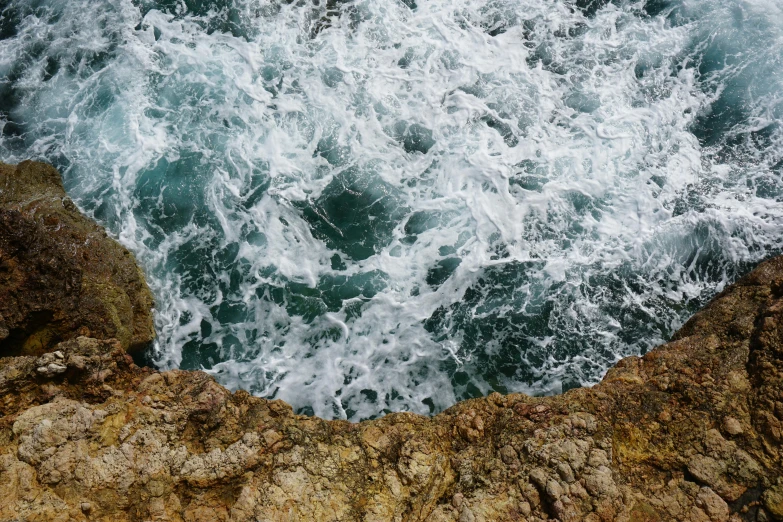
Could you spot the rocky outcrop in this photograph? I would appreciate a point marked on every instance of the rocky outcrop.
(691, 431)
(60, 275)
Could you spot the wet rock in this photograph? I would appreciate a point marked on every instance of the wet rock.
(62, 276)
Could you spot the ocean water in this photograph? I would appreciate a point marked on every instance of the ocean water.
(369, 206)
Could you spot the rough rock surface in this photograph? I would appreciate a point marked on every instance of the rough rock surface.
(60, 275)
(691, 431)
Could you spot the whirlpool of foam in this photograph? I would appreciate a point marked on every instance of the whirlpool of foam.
(379, 205)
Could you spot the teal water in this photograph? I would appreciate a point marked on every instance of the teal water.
(365, 206)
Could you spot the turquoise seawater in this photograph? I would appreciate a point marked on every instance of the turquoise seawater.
(368, 206)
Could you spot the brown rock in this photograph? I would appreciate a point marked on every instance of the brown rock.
(773, 500)
(59, 272)
(715, 507)
(732, 426)
(707, 469)
(470, 425)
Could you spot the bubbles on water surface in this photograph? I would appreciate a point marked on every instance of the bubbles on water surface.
(369, 206)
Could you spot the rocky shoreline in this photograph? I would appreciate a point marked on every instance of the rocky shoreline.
(60, 275)
(691, 431)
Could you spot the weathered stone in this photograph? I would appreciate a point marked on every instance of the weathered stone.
(715, 507)
(554, 490)
(565, 472)
(707, 469)
(508, 454)
(599, 483)
(732, 426)
(773, 500)
(539, 477)
(598, 457)
(60, 274)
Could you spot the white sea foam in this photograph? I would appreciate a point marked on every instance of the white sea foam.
(572, 171)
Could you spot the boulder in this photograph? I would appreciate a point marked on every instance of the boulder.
(61, 275)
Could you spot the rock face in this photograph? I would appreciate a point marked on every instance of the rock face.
(691, 431)
(60, 275)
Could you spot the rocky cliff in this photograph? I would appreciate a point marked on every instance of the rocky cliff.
(690, 431)
(60, 276)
